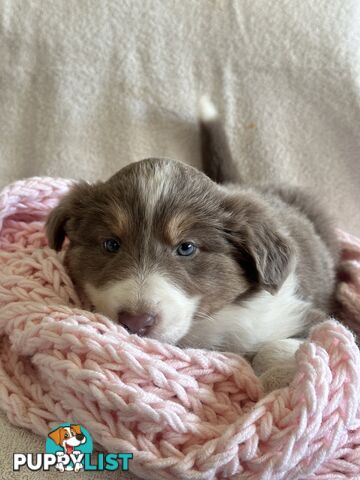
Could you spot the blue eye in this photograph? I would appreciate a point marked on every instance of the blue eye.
(186, 249)
(111, 245)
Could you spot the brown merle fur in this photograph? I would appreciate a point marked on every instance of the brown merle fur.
(248, 238)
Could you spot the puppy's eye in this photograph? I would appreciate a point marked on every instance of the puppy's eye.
(186, 249)
(111, 245)
(66, 435)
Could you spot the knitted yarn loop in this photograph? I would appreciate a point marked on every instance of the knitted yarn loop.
(184, 414)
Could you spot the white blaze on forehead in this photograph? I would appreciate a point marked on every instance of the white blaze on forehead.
(154, 294)
(67, 440)
(153, 187)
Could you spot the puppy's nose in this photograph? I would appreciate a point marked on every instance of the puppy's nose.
(79, 436)
(139, 323)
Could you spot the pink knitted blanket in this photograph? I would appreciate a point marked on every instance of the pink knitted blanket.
(184, 414)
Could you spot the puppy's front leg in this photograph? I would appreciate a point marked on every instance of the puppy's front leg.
(275, 363)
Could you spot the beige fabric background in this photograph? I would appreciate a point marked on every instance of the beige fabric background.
(87, 86)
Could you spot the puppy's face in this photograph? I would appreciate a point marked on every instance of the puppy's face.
(68, 437)
(160, 245)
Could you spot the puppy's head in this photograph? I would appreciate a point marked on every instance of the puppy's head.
(68, 437)
(160, 245)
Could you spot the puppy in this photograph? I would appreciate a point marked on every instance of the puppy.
(199, 259)
(68, 438)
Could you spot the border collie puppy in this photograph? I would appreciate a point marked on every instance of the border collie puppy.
(199, 259)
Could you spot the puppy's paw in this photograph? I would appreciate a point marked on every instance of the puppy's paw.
(277, 377)
(78, 467)
(60, 467)
(275, 354)
(275, 363)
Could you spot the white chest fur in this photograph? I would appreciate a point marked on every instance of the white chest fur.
(245, 328)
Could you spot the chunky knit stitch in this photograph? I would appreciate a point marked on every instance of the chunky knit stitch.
(184, 414)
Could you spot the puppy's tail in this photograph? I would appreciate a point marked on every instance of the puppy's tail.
(217, 161)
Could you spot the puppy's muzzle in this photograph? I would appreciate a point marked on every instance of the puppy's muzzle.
(139, 323)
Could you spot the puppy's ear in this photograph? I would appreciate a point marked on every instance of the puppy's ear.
(76, 428)
(70, 206)
(55, 224)
(263, 251)
(55, 435)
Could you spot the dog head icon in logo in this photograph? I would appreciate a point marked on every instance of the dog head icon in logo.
(68, 437)
(69, 442)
